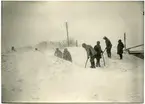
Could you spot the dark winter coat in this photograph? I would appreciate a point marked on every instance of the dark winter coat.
(90, 51)
(108, 43)
(13, 49)
(120, 47)
(98, 49)
(67, 55)
(58, 53)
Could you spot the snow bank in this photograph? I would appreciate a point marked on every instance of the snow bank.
(40, 76)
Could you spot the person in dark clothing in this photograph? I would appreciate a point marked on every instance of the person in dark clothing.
(98, 49)
(13, 48)
(58, 53)
(36, 49)
(120, 47)
(90, 53)
(108, 46)
(67, 55)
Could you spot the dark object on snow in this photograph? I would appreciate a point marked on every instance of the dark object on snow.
(36, 49)
(58, 53)
(98, 49)
(120, 47)
(90, 53)
(13, 48)
(108, 46)
(86, 62)
(67, 55)
(137, 53)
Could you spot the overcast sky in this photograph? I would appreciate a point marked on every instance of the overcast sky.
(26, 23)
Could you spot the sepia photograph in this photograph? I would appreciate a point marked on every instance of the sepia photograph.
(72, 51)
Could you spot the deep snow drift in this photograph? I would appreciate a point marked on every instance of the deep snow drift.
(39, 76)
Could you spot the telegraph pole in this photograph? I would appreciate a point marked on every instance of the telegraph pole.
(67, 34)
(76, 43)
(125, 41)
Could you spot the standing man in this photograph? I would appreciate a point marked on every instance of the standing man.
(120, 47)
(98, 49)
(90, 54)
(108, 46)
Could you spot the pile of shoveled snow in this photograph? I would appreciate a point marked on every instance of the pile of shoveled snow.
(40, 76)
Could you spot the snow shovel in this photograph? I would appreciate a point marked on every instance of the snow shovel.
(86, 62)
(103, 56)
(103, 59)
(104, 50)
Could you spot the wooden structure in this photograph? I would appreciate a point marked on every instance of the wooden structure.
(67, 33)
(137, 53)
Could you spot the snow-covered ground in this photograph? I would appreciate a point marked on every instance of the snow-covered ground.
(38, 76)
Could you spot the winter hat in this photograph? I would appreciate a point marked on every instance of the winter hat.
(83, 45)
(104, 37)
(65, 49)
(119, 40)
(98, 42)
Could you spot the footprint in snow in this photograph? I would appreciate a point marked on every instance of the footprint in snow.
(13, 89)
(35, 98)
(123, 70)
(20, 80)
(113, 100)
(114, 62)
(20, 90)
(95, 96)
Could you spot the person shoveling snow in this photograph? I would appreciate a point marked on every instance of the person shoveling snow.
(58, 53)
(90, 53)
(67, 55)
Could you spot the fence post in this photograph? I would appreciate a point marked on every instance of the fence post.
(76, 43)
(125, 41)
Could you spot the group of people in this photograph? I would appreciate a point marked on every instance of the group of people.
(96, 52)
(93, 53)
(64, 55)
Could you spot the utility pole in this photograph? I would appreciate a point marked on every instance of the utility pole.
(76, 43)
(125, 41)
(67, 34)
